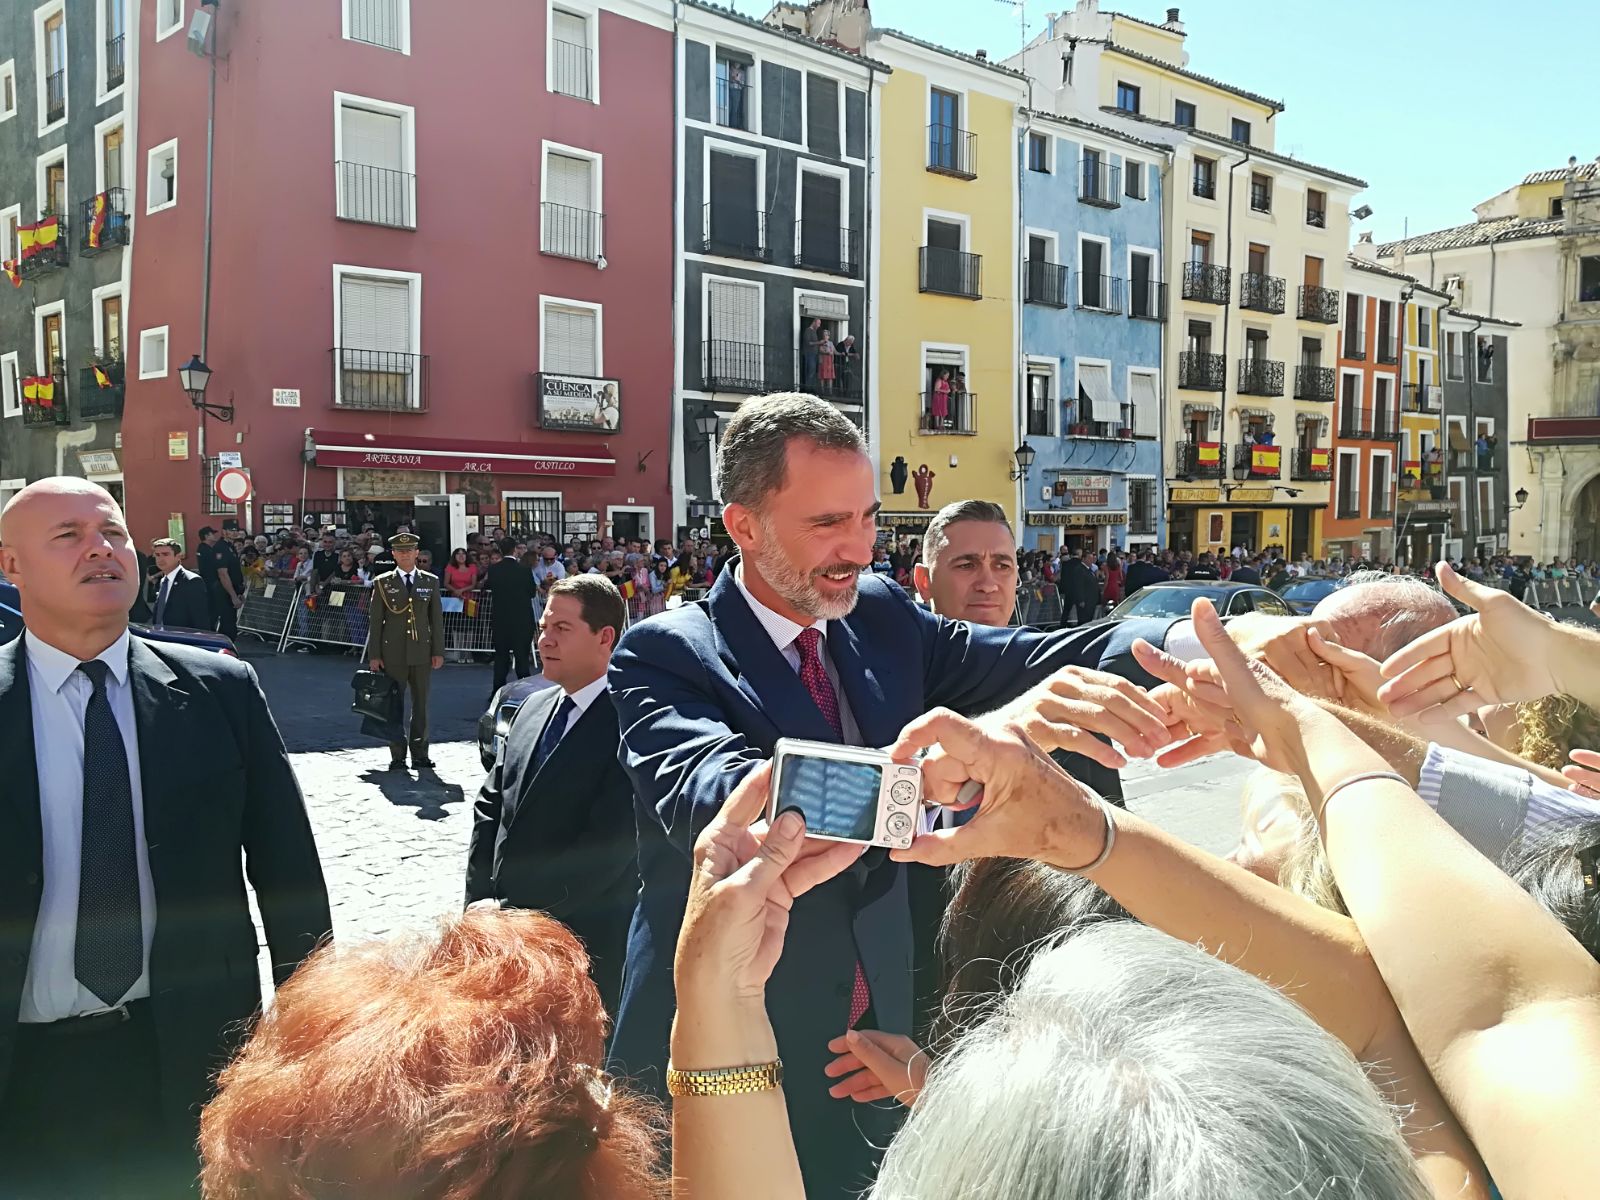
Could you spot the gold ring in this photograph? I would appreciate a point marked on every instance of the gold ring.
(1460, 687)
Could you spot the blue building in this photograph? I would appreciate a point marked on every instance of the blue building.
(1093, 318)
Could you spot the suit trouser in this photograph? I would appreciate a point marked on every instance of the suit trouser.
(517, 647)
(414, 680)
(80, 1117)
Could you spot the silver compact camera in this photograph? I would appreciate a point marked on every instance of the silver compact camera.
(847, 793)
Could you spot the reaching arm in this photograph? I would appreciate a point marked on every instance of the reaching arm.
(486, 812)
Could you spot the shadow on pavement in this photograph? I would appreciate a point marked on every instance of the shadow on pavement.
(422, 790)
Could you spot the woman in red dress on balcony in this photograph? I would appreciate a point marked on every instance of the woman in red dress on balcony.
(825, 366)
(939, 406)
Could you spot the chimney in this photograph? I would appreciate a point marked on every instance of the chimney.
(1365, 249)
(1172, 22)
(982, 54)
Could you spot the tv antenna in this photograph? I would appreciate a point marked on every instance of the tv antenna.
(1022, 16)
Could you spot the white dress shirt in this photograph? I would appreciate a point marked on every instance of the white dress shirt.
(582, 699)
(59, 694)
(168, 581)
(783, 633)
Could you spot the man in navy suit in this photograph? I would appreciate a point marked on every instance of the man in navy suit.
(798, 638)
(553, 826)
(181, 596)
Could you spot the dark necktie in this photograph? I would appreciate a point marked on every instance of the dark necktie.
(815, 676)
(109, 956)
(161, 598)
(551, 737)
(408, 581)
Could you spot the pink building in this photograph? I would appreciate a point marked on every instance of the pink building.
(441, 263)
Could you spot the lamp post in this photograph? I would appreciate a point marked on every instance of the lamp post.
(1024, 455)
(706, 426)
(195, 377)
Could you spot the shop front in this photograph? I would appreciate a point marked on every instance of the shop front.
(1075, 529)
(1220, 520)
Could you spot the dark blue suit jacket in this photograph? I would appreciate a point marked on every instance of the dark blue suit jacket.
(702, 694)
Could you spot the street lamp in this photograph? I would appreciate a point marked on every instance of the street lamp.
(195, 376)
(1024, 456)
(1522, 498)
(706, 426)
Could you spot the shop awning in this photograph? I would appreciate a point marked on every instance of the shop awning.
(829, 308)
(1096, 384)
(1264, 413)
(342, 448)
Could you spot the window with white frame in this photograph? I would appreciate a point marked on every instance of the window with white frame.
(379, 367)
(10, 385)
(570, 223)
(1096, 288)
(1098, 405)
(153, 353)
(376, 179)
(1380, 486)
(571, 70)
(1144, 395)
(169, 18)
(8, 89)
(569, 342)
(1133, 179)
(1348, 485)
(161, 177)
(382, 23)
(1039, 152)
(52, 183)
(50, 62)
(10, 219)
(1488, 519)
(111, 46)
(734, 357)
(1041, 398)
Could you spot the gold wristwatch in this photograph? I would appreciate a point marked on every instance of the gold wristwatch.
(725, 1081)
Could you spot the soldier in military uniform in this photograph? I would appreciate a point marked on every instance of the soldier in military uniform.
(405, 640)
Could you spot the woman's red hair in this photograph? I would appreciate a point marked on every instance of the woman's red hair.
(461, 1066)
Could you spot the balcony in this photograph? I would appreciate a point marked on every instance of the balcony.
(1353, 347)
(733, 96)
(1201, 460)
(1257, 462)
(1046, 283)
(950, 272)
(1485, 462)
(952, 151)
(1317, 218)
(1311, 465)
(45, 400)
(1312, 382)
(1261, 197)
(376, 195)
(567, 232)
(735, 231)
(825, 246)
(1382, 507)
(571, 69)
(99, 401)
(1348, 506)
(1261, 293)
(1100, 184)
(43, 247)
(837, 377)
(1423, 398)
(1385, 428)
(1147, 299)
(55, 96)
(1202, 372)
(1318, 304)
(1355, 426)
(727, 366)
(1202, 281)
(116, 69)
(957, 415)
(379, 380)
(103, 221)
(1455, 367)
(1260, 377)
(1099, 293)
(1386, 348)
(1205, 184)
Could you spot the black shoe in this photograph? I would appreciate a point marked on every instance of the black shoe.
(397, 764)
(422, 764)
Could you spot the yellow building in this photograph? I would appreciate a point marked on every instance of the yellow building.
(1422, 522)
(946, 308)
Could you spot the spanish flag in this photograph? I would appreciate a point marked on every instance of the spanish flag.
(1319, 460)
(38, 237)
(12, 273)
(1210, 453)
(101, 377)
(627, 589)
(97, 224)
(40, 390)
(1265, 458)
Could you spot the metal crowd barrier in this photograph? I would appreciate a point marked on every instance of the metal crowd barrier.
(1038, 604)
(268, 608)
(334, 613)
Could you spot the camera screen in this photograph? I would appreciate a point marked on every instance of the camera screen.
(838, 799)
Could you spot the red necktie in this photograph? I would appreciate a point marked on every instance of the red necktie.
(815, 676)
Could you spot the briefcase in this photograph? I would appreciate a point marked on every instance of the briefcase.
(377, 696)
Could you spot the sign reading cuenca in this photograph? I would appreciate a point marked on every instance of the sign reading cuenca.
(579, 404)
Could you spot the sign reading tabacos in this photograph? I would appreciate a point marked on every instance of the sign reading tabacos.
(444, 454)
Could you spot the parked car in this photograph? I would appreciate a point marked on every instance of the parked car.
(1304, 592)
(503, 708)
(11, 627)
(1175, 597)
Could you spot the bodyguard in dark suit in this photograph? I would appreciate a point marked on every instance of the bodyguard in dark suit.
(553, 826)
(1081, 587)
(181, 598)
(144, 782)
(1142, 573)
(510, 615)
(798, 639)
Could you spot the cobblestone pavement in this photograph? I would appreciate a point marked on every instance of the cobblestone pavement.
(394, 844)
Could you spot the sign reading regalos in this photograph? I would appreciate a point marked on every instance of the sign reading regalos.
(579, 404)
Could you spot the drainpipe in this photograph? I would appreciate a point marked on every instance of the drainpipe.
(869, 301)
(1161, 357)
(1228, 262)
(1019, 376)
(205, 276)
(1471, 371)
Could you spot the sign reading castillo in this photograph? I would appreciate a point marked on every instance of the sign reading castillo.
(342, 449)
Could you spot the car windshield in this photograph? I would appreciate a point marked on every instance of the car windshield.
(1163, 602)
(1310, 589)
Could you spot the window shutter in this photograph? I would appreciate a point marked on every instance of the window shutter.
(1095, 380)
(735, 312)
(573, 30)
(1146, 405)
(567, 182)
(375, 314)
(372, 138)
(570, 342)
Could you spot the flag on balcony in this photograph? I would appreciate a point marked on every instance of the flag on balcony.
(101, 377)
(97, 225)
(1209, 454)
(1265, 458)
(38, 237)
(12, 272)
(40, 390)
(1319, 460)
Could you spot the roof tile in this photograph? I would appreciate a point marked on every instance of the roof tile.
(1475, 233)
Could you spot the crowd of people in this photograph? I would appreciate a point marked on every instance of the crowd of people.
(1389, 989)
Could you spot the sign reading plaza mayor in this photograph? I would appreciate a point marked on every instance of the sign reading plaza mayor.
(579, 405)
(339, 448)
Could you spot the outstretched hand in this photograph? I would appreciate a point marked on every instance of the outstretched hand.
(1583, 773)
(873, 1065)
(1066, 711)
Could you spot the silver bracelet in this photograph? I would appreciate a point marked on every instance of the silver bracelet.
(1327, 796)
(1111, 840)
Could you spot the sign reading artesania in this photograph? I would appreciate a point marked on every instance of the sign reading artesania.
(579, 404)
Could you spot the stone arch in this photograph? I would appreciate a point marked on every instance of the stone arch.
(1583, 515)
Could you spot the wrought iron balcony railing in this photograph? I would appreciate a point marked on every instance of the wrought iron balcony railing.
(824, 246)
(1385, 427)
(1101, 293)
(379, 380)
(1386, 348)
(952, 151)
(1147, 299)
(571, 69)
(43, 246)
(568, 232)
(1260, 377)
(116, 68)
(1313, 382)
(950, 272)
(1303, 468)
(949, 412)
(1382, 507)
(1202, 372)
(1247, 464)
(99, 401)
(1261, 197)
(103, 221)
(1203, 281)
(1318, 304)
(1201, 460)
(1261, 293)
(55, 96)
(729, 366)
(1205, 184)
(735, 230)
(1423, 398)
(1349, 506)
(1046, 284)
(837, 376)
(1100, 183)
(1353, 346)
(45, 400)
(1355, 426)
(733, 104)
(1317, 217)
(376, 195)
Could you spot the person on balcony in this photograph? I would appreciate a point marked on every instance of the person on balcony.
(810, 348)
(849, 359)
(825, 364)
(939, 405)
